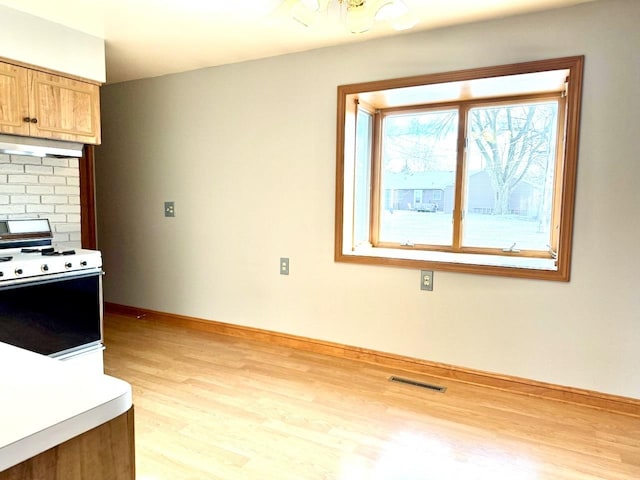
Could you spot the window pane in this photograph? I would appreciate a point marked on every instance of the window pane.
(511, 159)
(362, 181)
(418, 177)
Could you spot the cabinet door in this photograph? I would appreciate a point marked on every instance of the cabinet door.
(65, 109)
(14, 106)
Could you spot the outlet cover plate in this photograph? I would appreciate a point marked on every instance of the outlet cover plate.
(426, 280)
(169, 209)
(284, 266)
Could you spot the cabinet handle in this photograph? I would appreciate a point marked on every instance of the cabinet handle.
(34, 120)
(26, 119)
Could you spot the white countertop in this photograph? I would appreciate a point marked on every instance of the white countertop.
(45, 402)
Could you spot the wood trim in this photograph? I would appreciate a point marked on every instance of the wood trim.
(471, 250)
(341, 136)
(460, 175)
(569, 179)
(558, 174)
(563, 258)
(472, 103)
(511, 272)
(462, 75)
(376, 195)
(88, 198)
(588, 398)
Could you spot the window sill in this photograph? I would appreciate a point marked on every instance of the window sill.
(504, 265)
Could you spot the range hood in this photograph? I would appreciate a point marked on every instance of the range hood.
(39, 147)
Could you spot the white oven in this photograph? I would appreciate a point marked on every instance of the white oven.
(50, 300)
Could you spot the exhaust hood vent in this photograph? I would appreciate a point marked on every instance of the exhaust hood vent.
(39, 147)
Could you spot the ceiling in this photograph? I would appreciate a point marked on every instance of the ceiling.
(148, 38)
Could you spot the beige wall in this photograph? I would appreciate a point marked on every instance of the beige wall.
(247, 152)
(30, 39)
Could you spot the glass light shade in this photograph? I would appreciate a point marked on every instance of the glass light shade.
(313, 5)
(390, 10)
(359, 18)
(360, 14)
(305, 12)
(404, 21)
(397, 14)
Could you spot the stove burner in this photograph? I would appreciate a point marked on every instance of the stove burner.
(40, 263)
(53, 253)
(37, 250)
(48, 252)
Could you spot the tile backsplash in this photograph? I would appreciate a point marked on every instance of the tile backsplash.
(33, 187)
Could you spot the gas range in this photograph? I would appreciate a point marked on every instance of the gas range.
(26, 253)
(24, 263)
(50, 298)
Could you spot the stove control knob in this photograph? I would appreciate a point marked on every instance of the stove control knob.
(83, 263)
(68, 265)
(45, 268)
(1, 274)
(18, 271)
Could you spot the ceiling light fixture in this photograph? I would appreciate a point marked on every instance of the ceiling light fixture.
(359, 15)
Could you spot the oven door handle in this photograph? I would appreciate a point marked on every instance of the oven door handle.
(54, 277)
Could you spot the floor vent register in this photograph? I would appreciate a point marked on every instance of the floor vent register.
(415, 383)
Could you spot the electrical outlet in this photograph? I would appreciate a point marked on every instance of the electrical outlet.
(169, 209)
(284, 266)
(426, 280)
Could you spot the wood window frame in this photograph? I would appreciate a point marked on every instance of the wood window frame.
(463, 108)
(565, 185)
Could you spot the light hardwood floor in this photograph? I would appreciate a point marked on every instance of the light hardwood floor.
(212, 407)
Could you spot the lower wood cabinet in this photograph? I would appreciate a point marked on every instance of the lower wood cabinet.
(106, 452)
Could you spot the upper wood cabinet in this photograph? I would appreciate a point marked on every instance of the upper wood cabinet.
(40, 104)
(14, 99)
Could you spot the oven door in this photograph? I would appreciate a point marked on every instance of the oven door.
(56, 315)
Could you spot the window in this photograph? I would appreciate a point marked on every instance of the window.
(469, 171)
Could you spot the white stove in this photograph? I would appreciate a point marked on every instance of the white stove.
(50, 298)
(29, 262)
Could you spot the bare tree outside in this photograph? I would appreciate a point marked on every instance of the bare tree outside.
(514, 143)
(508, 186)
(414, 142)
